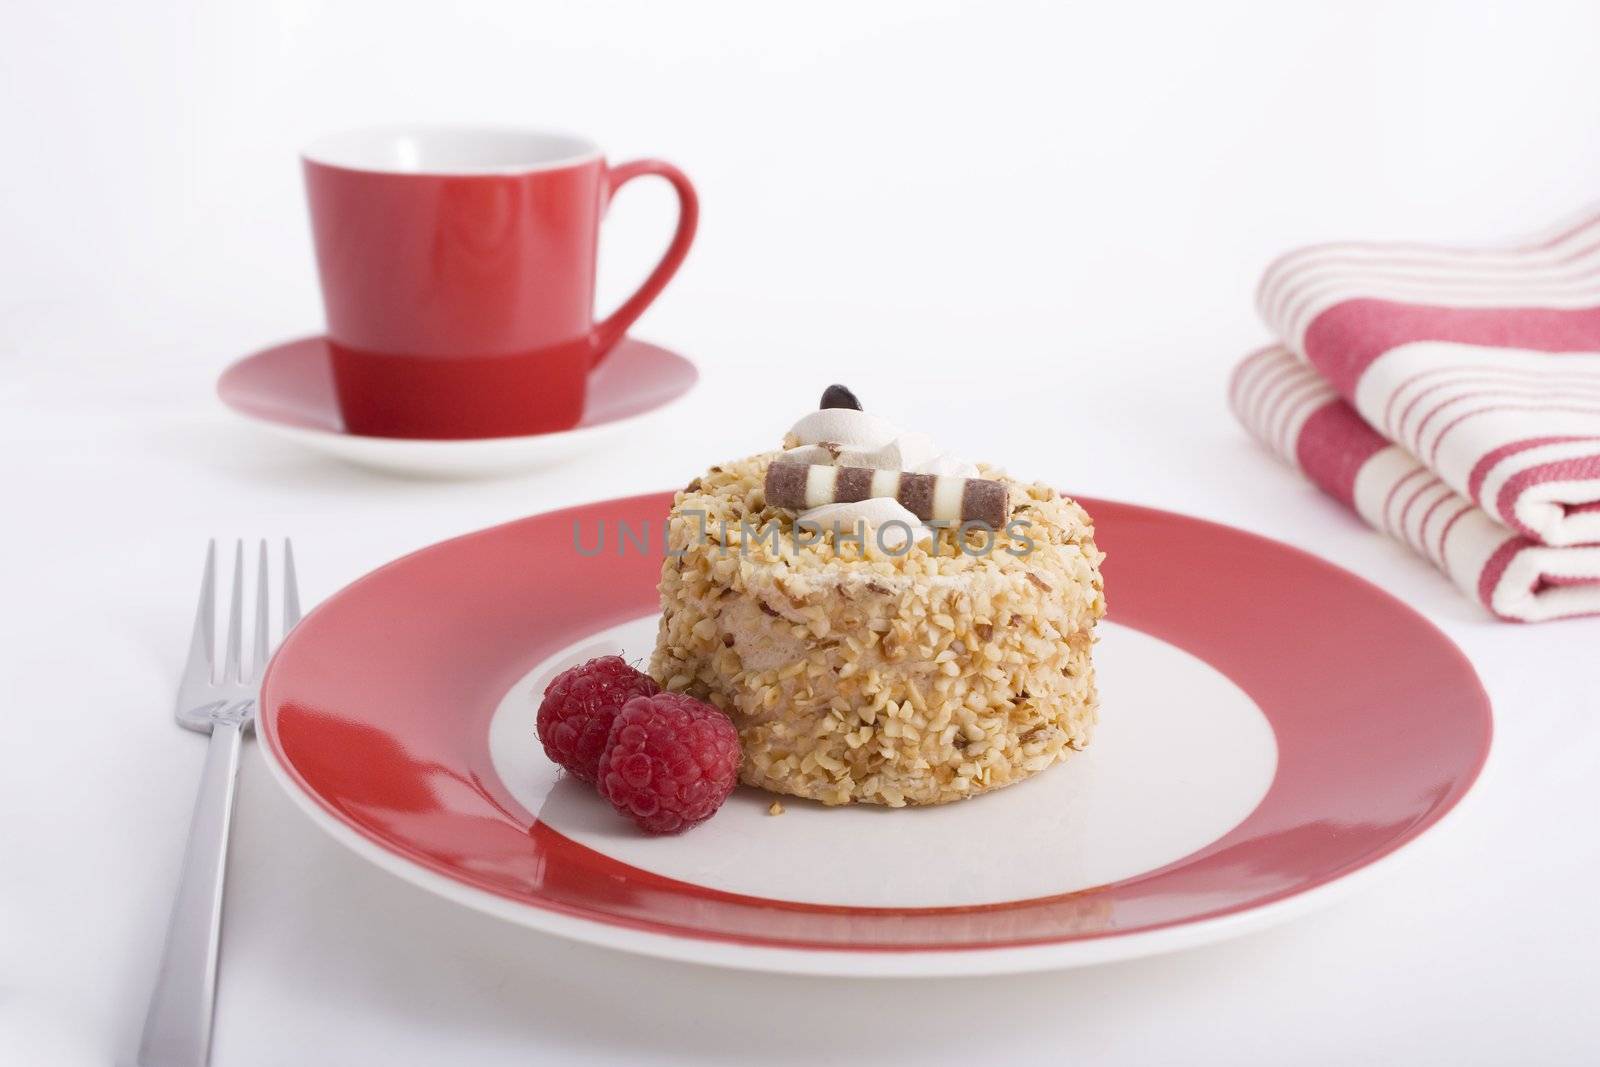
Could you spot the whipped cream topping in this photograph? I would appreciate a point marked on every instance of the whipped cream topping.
(877, 513)
(845, 427)
(845, 437)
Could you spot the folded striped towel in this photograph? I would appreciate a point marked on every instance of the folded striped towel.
(1483, 364)
(1291, 409)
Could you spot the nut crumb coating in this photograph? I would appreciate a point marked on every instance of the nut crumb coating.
(854, 675)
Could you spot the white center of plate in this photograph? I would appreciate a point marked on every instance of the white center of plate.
(1180, 757)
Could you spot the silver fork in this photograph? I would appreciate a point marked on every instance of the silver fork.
(177, 1030)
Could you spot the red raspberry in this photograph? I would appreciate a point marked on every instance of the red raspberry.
(670, 763)
(575, 716)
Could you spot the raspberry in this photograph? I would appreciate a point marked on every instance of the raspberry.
(575, 716)
(670, 762)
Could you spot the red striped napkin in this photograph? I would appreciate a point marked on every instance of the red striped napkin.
(1452, 398)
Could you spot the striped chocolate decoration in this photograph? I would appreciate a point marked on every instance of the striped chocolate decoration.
(852, 483)
(927, 496)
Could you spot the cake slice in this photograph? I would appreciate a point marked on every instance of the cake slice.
(895, 670)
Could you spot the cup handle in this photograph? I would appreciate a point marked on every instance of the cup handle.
(604, 336)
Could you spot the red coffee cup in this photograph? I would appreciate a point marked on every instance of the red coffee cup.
(458, 267)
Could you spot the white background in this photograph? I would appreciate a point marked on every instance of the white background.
(1031, 229)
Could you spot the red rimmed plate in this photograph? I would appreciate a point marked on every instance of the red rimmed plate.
(1271, 726)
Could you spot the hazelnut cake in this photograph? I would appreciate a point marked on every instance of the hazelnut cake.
(883, 623)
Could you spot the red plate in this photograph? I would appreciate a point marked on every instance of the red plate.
(1271, 724)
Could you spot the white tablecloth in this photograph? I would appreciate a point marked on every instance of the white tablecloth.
(1482, 945)
(1061, 290)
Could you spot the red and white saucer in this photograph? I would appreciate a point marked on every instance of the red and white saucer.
(288, 390)
(1273, 730)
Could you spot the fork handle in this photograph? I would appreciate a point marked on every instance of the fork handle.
(177, 1030)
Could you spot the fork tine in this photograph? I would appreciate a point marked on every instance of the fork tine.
(291, 589)
(199, 666)
(231, 671)
(263, 635)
